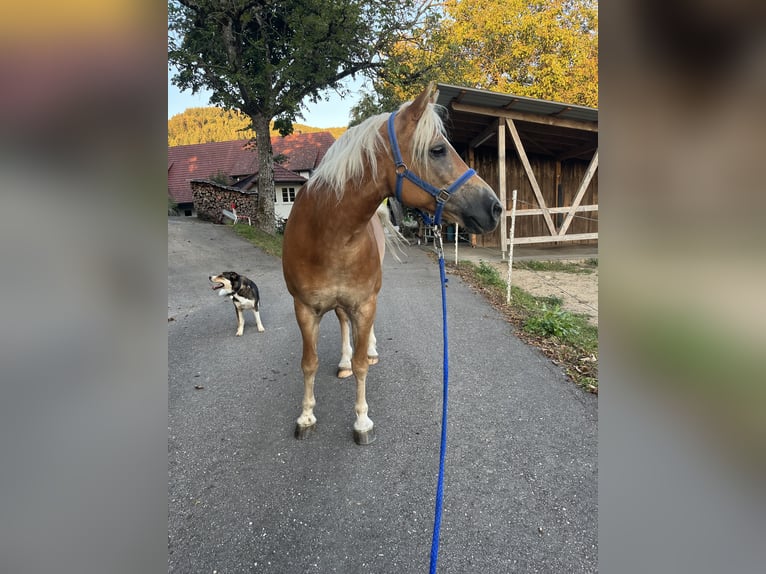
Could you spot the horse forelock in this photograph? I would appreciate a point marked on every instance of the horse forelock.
(356, 151)
(429, 127)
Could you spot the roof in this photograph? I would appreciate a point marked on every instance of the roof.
(302, 152)
(545, 127)
(281, 175)
(199, 161)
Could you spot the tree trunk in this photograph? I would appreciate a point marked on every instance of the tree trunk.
(265, 220)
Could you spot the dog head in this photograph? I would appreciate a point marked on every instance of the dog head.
(226, 283)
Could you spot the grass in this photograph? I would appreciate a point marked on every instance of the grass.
(586, 266)
(567, 338)
(271, 244)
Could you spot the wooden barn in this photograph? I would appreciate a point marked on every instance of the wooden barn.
(547, 151)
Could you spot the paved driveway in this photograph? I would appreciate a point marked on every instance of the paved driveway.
(245, 496)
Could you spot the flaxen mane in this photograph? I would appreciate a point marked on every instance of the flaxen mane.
(356, 150)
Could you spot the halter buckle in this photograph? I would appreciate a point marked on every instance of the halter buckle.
(443, 196)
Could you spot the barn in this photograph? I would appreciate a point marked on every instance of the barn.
(547, 151)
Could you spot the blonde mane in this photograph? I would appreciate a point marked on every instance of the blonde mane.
(357, 149)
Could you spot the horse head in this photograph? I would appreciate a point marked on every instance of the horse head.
(431, 176)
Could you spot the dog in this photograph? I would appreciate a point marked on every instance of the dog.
(244, 294)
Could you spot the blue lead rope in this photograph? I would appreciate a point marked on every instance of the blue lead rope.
(441, 196)
(443, 447)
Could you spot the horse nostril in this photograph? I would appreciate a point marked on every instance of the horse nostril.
(497, 210)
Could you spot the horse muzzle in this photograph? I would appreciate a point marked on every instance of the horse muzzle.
(475, 214)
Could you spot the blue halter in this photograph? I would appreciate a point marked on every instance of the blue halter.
(402, 171)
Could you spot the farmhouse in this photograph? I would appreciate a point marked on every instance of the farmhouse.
(232, 168)
(547, 151)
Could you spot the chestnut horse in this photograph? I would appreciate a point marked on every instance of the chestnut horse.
(331, 258)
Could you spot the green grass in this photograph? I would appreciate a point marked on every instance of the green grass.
(586, 266)
(489, 276)
(566, 337)
(271, 244)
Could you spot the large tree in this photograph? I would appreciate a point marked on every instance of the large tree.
(266, 57)
(544, 49)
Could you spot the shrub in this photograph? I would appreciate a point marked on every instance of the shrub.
(553, 321)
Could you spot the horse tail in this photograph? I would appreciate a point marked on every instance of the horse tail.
(393, 238)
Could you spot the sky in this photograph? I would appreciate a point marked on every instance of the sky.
(324, 114)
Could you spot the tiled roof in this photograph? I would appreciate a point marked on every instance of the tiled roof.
(281, 175)
(302, 152)
(200, 161)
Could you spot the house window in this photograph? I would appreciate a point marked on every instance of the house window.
(288, 194)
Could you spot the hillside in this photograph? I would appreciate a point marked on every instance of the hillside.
(211, 124)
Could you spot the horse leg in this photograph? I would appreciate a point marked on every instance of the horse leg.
(308, 322)
(344, 366)
(362, 322)
(372, 350)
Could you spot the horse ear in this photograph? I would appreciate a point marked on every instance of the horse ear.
(418, 106)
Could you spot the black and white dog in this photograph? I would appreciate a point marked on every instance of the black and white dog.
(243, 293)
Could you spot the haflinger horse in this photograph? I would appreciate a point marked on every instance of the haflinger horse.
(331, 258)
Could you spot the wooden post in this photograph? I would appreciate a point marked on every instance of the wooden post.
(457, 232)
(472, 164)
(510, 246)
(502, 185)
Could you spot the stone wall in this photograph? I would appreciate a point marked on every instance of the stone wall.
(210, 199)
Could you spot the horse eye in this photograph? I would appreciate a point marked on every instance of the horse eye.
(438, 151)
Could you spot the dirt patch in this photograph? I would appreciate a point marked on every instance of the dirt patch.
(578, 291)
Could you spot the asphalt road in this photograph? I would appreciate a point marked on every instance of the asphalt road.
(245, 496)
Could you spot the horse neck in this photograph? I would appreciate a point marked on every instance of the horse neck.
(358, 203)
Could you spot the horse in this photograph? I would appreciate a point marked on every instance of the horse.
(331, 259)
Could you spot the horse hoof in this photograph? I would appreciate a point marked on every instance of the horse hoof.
(302, 433)
(372, 360)
(364, 437)
(344, 373)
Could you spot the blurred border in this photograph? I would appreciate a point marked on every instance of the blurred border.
(682, 428)
(83, 416)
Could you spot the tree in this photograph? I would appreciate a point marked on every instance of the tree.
(265, 57)
(544, 49)
(202, 125)
(211, 124)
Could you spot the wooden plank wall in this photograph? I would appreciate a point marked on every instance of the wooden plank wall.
(572, 172)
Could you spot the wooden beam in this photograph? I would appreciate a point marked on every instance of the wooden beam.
(580, 193)
(527, 117)
(484, 136)
(580, 208)
(530, 175)
(502, 185)
(552, 239)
